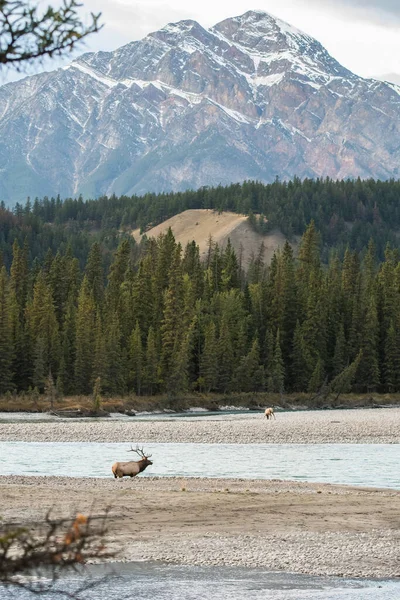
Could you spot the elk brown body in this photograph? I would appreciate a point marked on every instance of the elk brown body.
(132, 467)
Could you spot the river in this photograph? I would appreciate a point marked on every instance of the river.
(373, 465)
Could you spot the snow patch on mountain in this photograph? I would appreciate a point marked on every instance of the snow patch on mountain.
(251, 97)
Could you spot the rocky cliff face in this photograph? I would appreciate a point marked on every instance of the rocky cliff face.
(250, 98)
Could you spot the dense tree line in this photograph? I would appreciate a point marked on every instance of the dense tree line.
(346, 213)
(158, 320)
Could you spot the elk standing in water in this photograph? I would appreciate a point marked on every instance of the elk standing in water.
(133, 467)
(269, 413)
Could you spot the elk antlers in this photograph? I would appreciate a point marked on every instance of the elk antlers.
(139, 451)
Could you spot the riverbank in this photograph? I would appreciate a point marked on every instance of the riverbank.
(35, 403)
(277, 525)
(310, 427)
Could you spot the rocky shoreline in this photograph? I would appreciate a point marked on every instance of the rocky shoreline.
(358, 426)
(303, 528)
(372, 555)
(307, 528)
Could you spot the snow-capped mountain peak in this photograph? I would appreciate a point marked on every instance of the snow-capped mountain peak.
(251, 97)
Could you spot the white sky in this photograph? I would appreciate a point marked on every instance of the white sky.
(363, 35)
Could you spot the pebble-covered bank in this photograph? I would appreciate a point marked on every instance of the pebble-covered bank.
(190, 484)
(369, 555)
(312, 427)
(276, 525)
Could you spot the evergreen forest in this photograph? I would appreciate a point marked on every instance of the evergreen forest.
(346, 213)
(153, 318)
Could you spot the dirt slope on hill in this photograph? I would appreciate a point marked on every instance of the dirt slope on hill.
(199, 224)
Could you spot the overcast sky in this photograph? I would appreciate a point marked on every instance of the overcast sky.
(363, 35)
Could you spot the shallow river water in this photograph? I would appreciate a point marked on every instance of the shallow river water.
(147, 581)
(375, 465)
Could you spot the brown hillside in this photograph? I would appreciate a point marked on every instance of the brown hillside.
(199, 224)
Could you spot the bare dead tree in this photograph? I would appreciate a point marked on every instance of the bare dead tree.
(28, 33)
(34, 558)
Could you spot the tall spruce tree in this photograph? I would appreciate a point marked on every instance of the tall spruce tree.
(95, 275)
(136, 360)
(42, 328)
(114, 380)
(276, 380)
(249, 376)
(225, 357)
(84, 339)
(209, 359)
(150, 374)
(6, 340)
(368, 374)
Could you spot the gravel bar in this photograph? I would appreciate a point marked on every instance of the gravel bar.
(318, 529)
(360, 426)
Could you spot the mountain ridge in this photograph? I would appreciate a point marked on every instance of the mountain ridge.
(250, 98)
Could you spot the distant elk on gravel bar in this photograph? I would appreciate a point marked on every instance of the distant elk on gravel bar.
(269, 413)
(133, 467)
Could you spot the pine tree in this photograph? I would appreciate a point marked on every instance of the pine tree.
(269, 354)
(351, 286)
(19, 275)
(301, 361)
(39, 364)
(340, 355)
(357, 321)
(370, 268)
(178, 380)
(19, 286)
(65, 377)
(116, 277)
(289, 302)
(150, 375)
(143, 300)
(317, 377)
(61, 378)
(136, 360)
(341, 384)
(99, 368)
(215, 270)
(230, 269)
(167, 265)
(388, 298)
(96, 395)
(334, 314)
(191, 265)
(58, 279)
(50, 390)
(309, 261)
(276, 380)
(84, 342)
(368, 373)
(114, 379)
(209, 359)
(172, 325)
(43, 330)
(256, 270)
(6, 341)
(391, 369)
(225, 357)
(250, 373)
(315, 322)
(94, 272)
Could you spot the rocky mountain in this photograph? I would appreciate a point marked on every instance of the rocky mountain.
(250, 98)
